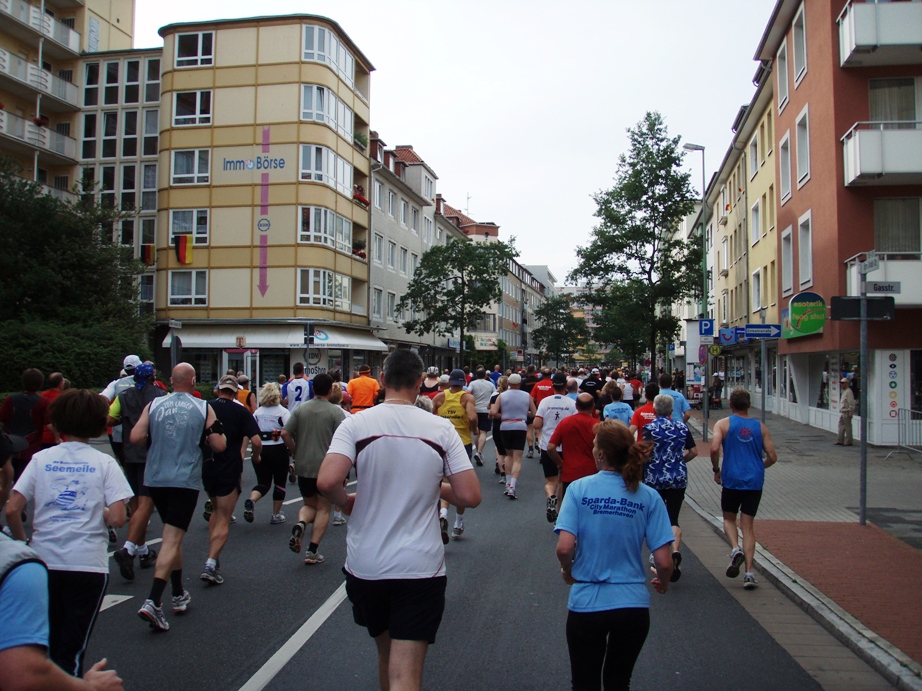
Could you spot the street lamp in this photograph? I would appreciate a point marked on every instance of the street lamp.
(704, 282)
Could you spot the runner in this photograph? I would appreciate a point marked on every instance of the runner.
(516, 409)
(126, 410)
(644, 414)
(114, 388)
(456, 406)
(41, 417)
(529, 380)
(175, 425)
(744, 441)
(298, 390)
(16, 416)
(481, 388)
(271, 465)
(363, 389)
(551, 410)
(244, 395)
(307, 435)
(395, 562)
(502, 384)
(574, 436)
(617, 409)
(430, 386)
(222, 472)
(681, 411)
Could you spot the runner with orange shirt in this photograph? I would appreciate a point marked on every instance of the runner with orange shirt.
(363, 389)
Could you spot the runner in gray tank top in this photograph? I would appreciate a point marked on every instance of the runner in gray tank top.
(516, 408)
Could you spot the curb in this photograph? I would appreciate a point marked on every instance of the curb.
(885, 658)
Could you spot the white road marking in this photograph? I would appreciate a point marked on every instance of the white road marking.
(112, 600)
(149, 542)
(283, 655)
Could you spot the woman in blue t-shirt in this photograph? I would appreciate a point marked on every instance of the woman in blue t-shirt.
(603, 523)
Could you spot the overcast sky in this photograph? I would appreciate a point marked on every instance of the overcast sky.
(523, 104)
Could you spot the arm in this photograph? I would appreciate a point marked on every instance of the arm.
(566, 551)
(686, 415)
(716, 441)
(463, 489)
(333, 472)
(140, 430)
(289, 442)
(6, 482)
(771, 456)
(257, 447)
(539, 422)
(662, 557)
(14, 509)
(472, 415)
(552, 452)
(115, 413)
(251, 402)
(437, 402)
(217, 441)
(496, 410)
(691, 449)
(27, 668)
(116, 514)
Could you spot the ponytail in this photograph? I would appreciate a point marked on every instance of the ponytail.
(621, 452)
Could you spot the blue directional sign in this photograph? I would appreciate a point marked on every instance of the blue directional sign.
(740, 333)
(706, 327)
(763, 330)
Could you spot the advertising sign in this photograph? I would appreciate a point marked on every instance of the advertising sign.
(805, 315)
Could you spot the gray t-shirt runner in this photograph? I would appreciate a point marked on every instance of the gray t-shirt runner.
(312, 426)
(481, 390)
(514, 407)
(175, 455)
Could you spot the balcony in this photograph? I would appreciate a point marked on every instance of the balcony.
(24, 79)
(62, 195)
(31, 23)
(873, 34)
(24, 136)
(877, 153)
(905, 267)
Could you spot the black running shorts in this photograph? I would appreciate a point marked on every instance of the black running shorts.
(308, 487)
(176, 505)
(514, 439)
(673, 499)
(498, 439)
(740, 501)
(408, 609)
(220, 477)
(484, 422)
(548, 466)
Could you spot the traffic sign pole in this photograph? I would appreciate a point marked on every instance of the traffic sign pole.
(863, 394)
(764, 365)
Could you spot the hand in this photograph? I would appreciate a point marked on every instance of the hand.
(567, 576)
(349, 504)
(107, 680)
(659, 586)
(717, 477)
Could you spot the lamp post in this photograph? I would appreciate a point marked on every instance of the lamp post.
(704, 282)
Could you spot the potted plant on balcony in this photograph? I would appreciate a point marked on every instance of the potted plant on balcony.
(361, 140)
(358, 249)
(358, 194)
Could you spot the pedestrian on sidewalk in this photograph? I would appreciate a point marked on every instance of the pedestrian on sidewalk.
(846, 410)
(744, 442)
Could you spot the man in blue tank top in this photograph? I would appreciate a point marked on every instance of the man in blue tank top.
(744, 441)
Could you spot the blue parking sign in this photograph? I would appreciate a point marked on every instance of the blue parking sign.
(706, 327)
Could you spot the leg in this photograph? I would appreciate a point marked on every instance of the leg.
(405, 665)
(840, 434)
(170, 552)
(74, 601)
(140, 517)
(219, 525)
(515, 467)
(481, 440)
(383, 642)
(730, 529)
(279, 465)
(626, 636)
(749, 539)
(848, 430)
(321, 518)
(586, 643)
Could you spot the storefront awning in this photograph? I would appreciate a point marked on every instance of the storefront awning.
(345, 339)
(252, 336)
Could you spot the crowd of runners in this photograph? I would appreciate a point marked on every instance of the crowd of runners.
(610, 438)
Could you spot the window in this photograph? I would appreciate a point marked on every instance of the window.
(803, 148)
(129, 187)
(110, 93)
(191, 108)
(107, 187)
(146, 293)
(892, 100)
(149, 187)
(378, 195)
(322, 226)
(787, 262)
(800, 47)
(781, 67)
(414, 262)
(316, 287)
(191, 167)
(414, 220)
(151, 133)
(755, 223)
(91, 84)
(148, 231)
(391, 204)
(404, 260)
(805, 250)
(897, 225)
(321, 45)
(391, 254)
(724, 309)
(428, 188)
(753, 158)
(404, 212)
(725, 254)
(392, 306)
(192, 222)
(377, 298)
(757, 290)
(89, 136)
(322, 165)
(126, 236)
(427, 234)
(195, 50)
(784, 163)
(132, 81)
(130, 133)
(342, 292)
(152, 83)
(188, 288)
(320, 104)
(378, 247)
(110, 134)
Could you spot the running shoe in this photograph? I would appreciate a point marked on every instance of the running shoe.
(750, 582)
(311, 558)
(233, 519)
(676, 563)
(248, 507)
(153, 615)
(508, 487)
(551, 509)
(531, 452)
(113, 538)
(502, 479)
(456, 532)
(149, 559)
(294, 544)
(277, 518)
(210, 575)
(478, 458)
(6, 531)
(292, 475)
(511, 493)
(736, 558)
(125, 563)
(209, 509)
(339, 519)
(181, 602)
(443, 526)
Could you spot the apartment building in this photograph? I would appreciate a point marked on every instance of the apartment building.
(40, 102)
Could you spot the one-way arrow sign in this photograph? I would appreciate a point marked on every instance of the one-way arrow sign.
(763, 330)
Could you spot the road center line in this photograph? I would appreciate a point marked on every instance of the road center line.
(283, 655)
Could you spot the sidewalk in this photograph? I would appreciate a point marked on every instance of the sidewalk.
(860, 582)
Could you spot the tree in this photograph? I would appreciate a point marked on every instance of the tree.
(635, 264)
(69, 295)
(454, 284)
(561, 331)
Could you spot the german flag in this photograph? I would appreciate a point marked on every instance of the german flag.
(183, 245)
(148, 255)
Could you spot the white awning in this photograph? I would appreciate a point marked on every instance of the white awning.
(343, 339)
(224, 336)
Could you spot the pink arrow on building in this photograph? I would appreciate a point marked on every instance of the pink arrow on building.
(263, 284)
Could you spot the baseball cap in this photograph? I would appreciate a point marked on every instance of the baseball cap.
(228, 382)
(595, 370)
(434, 371)
(457, 378)
(131, 361)
(444, 379)
(559, 379)
(515, 379)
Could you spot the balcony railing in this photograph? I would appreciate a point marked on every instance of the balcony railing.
(33, 17)
(63, 195)
(37, 136)
(883, 153)
(902, 267)
(886, 33)
(37, 78)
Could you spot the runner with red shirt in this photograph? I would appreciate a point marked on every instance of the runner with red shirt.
(644, 414)
(576, 435)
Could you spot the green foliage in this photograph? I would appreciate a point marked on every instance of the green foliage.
(637, 266)
(561, 332)
(454, 284)
(69, 295)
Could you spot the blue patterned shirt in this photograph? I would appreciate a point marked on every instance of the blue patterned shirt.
(667, 469)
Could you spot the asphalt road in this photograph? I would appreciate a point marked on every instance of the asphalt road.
(503, 626)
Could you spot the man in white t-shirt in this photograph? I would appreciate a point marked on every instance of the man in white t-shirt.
(395, 560)
(481, 388)
(551, 410)
(298, 390)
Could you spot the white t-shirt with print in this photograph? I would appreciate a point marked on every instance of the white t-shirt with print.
(552, 410)
(403, 454)
(71, 484)
(272, 419)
